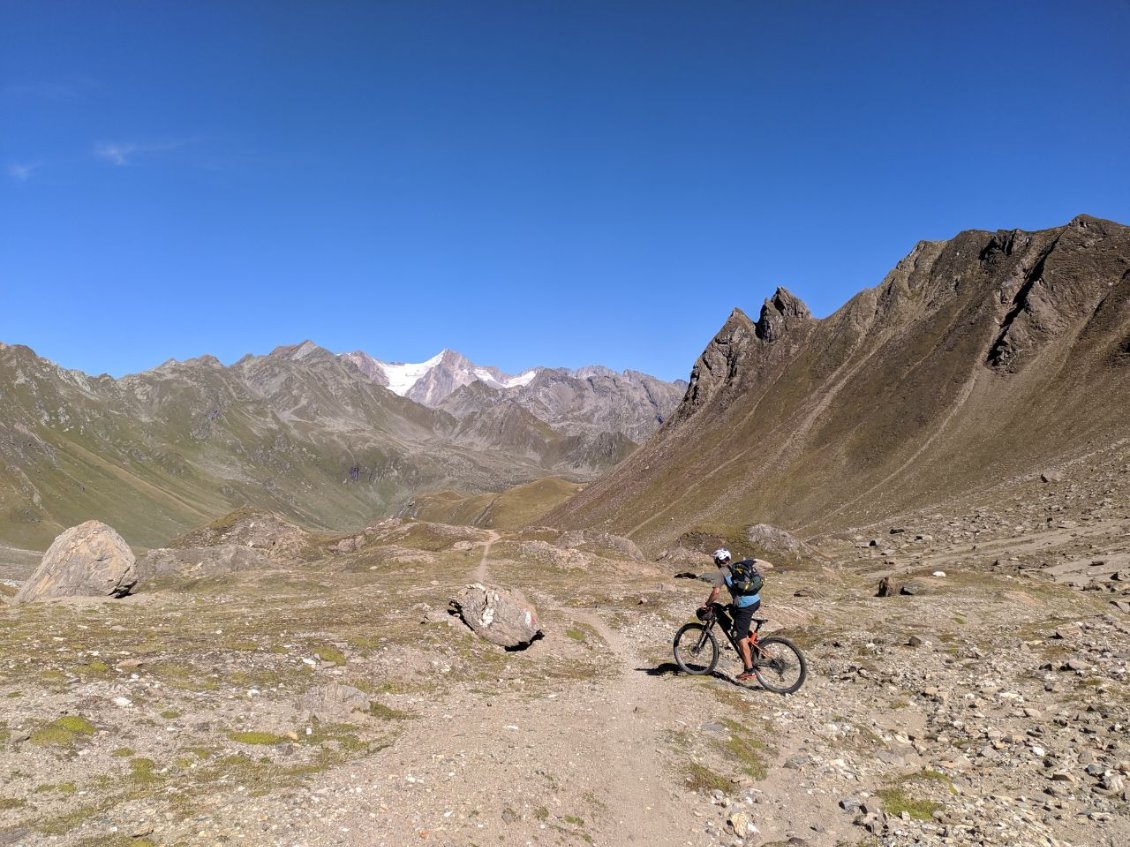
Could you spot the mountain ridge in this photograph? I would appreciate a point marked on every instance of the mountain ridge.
(299, 431)
(988, 354)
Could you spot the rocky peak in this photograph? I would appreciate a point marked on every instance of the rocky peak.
(779, 313)
(369, 366)
(719, 362)
(298, 352)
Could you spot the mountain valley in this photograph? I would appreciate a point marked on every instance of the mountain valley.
(300, 431)
(936, 478)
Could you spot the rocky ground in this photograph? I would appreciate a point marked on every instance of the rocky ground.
(987, 705)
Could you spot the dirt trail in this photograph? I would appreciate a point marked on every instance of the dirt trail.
(481, 572)
(582, 764)
(634, 715)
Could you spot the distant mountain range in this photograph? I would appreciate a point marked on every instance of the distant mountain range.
(331, 441)
(986, 357)
(589, 401)
(432, 381)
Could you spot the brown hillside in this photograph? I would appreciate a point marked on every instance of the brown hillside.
(976, 359)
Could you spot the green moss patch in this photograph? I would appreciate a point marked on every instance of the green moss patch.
(63, 732)
(896, 801)
(329, 653)
(143, 771)
(387, 713)
(265, 738)
(704, 780)
(745, 749)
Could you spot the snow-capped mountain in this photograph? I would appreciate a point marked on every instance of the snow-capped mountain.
(431, 382)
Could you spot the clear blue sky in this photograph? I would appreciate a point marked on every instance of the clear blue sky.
(555, 182)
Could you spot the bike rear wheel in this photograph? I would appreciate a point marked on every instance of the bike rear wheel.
(696, 649)
(779, 664)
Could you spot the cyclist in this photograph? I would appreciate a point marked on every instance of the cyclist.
(740, 608)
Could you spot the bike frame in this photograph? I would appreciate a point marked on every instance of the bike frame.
(712, 619)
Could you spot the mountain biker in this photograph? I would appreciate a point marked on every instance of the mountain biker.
(740, 608)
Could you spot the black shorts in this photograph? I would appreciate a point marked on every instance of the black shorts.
(740, 616)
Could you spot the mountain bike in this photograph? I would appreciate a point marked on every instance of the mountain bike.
(778, 664)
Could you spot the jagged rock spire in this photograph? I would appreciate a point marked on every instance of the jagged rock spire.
(779, 313)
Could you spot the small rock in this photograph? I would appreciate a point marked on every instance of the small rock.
(1112, 782)
(851, 804)
(334, 701)
(914, 641)
(742, 825)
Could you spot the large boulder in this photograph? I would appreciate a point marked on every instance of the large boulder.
(501, 616)
(88, 560)
(333, 702)
(601, 543)
(268, 534)
(201, 561)
(776, 541)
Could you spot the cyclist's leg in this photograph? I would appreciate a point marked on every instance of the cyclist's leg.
(722, 613)
(743, 617)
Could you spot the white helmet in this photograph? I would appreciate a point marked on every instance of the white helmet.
(721, 556)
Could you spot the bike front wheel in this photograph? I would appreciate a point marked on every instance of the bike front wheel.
(696, 649)
(779, 664)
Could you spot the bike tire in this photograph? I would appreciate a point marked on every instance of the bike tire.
(696, 649)
(780, 666)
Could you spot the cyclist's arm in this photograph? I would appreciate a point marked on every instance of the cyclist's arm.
(713, 596)
(719, 584)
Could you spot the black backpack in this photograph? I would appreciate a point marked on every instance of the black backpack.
(745, 578)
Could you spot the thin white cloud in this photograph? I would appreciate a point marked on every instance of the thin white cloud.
(22, 172)
(71, 89)
(115, 154)
(123, 153)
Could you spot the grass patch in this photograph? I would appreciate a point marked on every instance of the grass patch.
(703, 780)
(329, 653)
(117, 840)
(745, 750)
(142, 771)
(387, 713)
(253, 737)
(576, 634)
(63, 732)
(927, 775)
(896, 801)
(239, 644)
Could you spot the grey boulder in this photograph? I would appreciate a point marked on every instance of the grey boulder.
(88, 560)
(498, 615)
(334, 702)
(201, 561)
